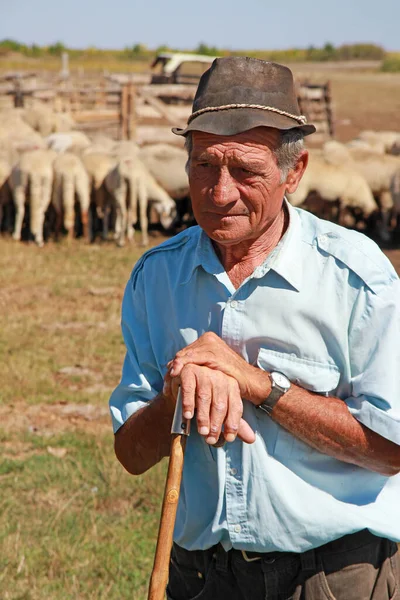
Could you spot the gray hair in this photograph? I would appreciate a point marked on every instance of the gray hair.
(287, 153)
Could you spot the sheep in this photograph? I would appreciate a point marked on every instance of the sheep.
(377, 170)
(33, 172)
(98, 165)
(387, 138)
(167, 165)
(395, 191)
(335, 183)
(5, 171)
(125, 148)
(45, 121)
(70, 178)
(62, 142)
(100, 143)
(16, 136)
(372, 145)
(130, 178)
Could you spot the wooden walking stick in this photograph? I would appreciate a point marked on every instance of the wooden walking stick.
(159, 577)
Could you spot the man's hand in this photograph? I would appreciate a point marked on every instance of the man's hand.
(217, 400)
(212, 352)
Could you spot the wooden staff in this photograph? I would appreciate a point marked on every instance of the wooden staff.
(159, 576)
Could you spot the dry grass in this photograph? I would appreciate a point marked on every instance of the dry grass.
(73, 524)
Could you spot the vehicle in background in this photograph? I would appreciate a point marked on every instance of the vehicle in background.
(176, 67)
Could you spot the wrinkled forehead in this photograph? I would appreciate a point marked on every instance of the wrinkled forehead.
(260, 137)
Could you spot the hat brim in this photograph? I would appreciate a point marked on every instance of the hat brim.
(237, 120)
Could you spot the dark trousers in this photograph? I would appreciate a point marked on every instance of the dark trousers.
(360, 566)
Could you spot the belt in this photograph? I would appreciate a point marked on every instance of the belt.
(347, 542)
(268, 557)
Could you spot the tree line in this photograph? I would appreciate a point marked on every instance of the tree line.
(138, 51)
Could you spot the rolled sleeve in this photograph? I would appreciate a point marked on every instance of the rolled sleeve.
(375, 361)
(141, 380)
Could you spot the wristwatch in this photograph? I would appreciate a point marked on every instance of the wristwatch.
(280, 384)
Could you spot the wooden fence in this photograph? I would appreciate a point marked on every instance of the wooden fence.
(146, 112)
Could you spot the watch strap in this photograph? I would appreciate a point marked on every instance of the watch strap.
(268, 405)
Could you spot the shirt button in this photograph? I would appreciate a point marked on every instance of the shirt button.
(234, 304)
(237, 528)
(233, 471)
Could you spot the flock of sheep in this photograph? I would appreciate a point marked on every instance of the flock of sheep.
(45, 163)
(97, 183)
(356, 184)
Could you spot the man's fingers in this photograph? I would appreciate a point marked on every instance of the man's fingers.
(188, 389)
(203, 403)
(245, 432)
(189, 357)
(234, 412)
(218, 412)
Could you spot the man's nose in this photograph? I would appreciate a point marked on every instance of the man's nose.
(224, 190)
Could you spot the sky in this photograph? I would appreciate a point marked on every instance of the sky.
(183, 24)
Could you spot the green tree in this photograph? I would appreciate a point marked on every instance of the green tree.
(56, 49)
(12, 45)
(163, 48)
(207, 50)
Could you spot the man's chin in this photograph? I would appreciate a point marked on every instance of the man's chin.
(227, 236)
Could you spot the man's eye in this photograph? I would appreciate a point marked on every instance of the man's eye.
(246, 172)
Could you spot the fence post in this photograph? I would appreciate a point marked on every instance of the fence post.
(131, 111)
(124, 113)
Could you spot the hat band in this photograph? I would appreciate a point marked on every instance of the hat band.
(301, 119)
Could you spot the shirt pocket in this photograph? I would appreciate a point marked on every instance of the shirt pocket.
(321, 377)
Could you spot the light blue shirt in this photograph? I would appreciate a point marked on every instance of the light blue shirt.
(324, 309)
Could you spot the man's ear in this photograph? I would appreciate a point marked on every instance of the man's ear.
(295, 175)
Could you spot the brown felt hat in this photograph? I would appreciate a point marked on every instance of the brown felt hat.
(238, 93)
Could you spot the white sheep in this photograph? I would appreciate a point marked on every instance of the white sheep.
(16, 136)
(167, 165)
(33, 172)
(63, 142)
(387, 138)
(5, 171)
(372, 145)
(45, 121)
(378, 170)
(70, 179)
(98, 165)
(335, 183)
(133, 187)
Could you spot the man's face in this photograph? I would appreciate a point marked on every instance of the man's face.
(235, 184)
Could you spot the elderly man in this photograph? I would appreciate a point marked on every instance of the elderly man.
(283, 332)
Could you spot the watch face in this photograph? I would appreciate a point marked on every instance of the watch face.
(281, 380)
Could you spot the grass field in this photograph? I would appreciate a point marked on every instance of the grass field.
(73, 524)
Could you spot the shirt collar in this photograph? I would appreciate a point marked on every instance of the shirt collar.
(284, 259)
(202, 254)
(288, 262)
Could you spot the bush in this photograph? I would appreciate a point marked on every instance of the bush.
(391, 64)
(56, 49)
(206, 50)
